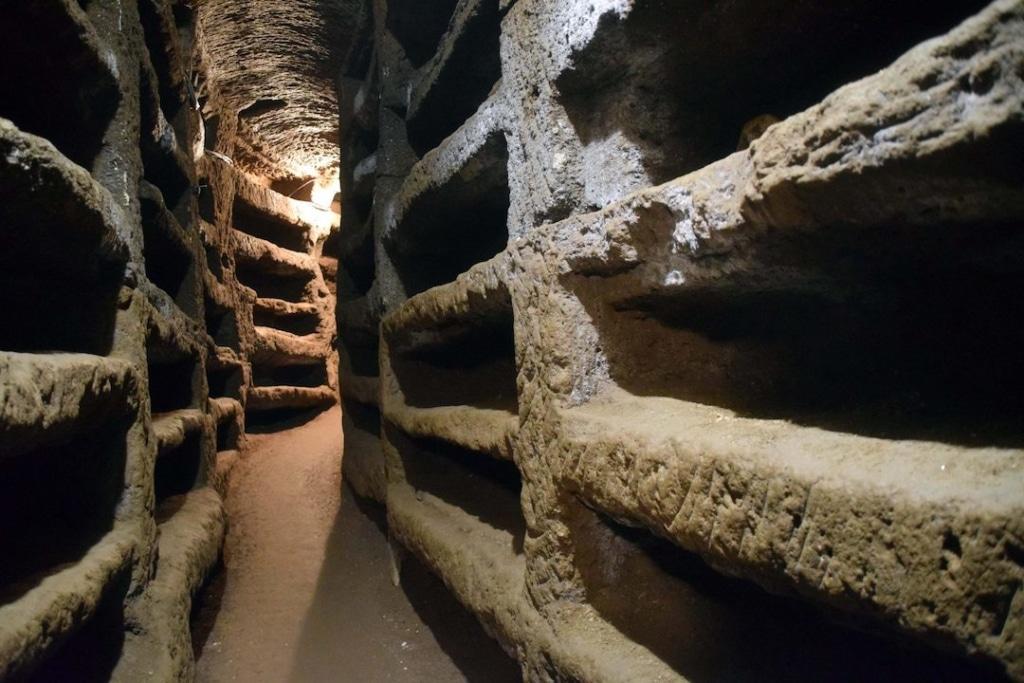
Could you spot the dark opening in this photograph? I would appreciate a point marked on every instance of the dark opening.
(475, 366)
(712, 628)
(364, 417)
(300, 189)
(276, 419)
(211, 132)
(299, 323)
(363, 360)
(228, 435)
(894, 332)
(314, 375)
(178, 471)
(418, 26)
(163, 160)
(170, 264)
(272, 285)
(222, 324)
(61, 277)
(57, 502)
(252, 221)
(224, 381)
(53, 82)
(170, 85)
(172, 380)
(184, 20)
(48, 311)
(453, 89)
(465, 221)
(206, 201)
(332, 245)
(477, 484)
(680, 79)
(357, 254)
(215, 261)
(92, 652)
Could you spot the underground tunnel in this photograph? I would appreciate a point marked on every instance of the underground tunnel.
(497, 340)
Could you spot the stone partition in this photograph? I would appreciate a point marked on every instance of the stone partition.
(680, 340)
(133, 345)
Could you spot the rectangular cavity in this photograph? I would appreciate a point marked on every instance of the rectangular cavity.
(253, 221)
(60, 252)
(356, 251)
(686, 84)
(362, 360)
(300, 323)
(708, 626)
(170, 262)
(480, 486)
(54, 311)
(221, 324)
(894, 332)
(57, 501)
(311, 375)
(473, 365)
(161, 38)
(228, 435)
(56, 80)
(449, 226)
(173, 378)
(460, 76)
(224, 380)
(206, 201)
(166, 168)
(267, 285)
(180, 470)
(214, 261)
(418, 26)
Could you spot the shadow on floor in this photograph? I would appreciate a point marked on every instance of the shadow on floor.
(272, 421)
(206, 608)
(360, 627)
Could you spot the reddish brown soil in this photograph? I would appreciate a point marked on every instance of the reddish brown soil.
(306, 593)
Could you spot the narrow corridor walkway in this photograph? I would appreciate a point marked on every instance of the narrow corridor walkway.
(306, 593)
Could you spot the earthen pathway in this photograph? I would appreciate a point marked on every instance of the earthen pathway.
(306, 593)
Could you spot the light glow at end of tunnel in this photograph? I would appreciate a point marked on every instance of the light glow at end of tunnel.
(324, 190)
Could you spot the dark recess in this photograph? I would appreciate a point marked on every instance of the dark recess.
(458, 88)
(709, 627)
(177, 472)
(57, 502)
(257, 223)
(52, 83)
(475, 368)
(896, 332)
(270, 285)
(172, 380)
(313, 375)
(680, 79)
(465, 221)
(480, 485)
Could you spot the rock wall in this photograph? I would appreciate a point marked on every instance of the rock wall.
(679, 339)
(154, 295)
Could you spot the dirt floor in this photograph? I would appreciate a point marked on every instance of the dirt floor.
(306, 593)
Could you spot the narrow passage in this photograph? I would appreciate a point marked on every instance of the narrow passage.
(305, 593)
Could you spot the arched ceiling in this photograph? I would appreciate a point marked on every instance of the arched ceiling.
(274, 62)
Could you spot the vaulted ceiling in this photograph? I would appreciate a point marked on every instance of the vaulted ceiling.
(274, 62)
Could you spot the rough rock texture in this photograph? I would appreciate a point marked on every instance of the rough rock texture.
(272, 63)
(132, 352)
(656, 409)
